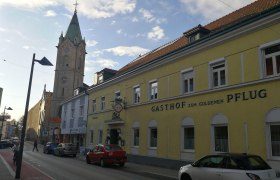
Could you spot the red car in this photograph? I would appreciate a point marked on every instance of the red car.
(107, 154)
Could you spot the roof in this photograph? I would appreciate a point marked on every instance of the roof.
(248, 11)
(73, 32)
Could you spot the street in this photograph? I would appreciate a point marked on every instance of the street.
(75, 168)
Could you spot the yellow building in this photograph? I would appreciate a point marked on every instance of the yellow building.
(214, 89)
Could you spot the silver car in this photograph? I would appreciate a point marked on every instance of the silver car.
(63, 149)
(228, 166)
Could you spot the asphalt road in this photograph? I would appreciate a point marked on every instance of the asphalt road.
(70, 168)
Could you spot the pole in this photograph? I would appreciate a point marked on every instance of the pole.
(3, 117)
(19, 160)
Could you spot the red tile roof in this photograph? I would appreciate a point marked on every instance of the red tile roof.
(245, 12)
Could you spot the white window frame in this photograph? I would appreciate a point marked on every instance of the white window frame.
(153, 91)
(91, 136)
(100, 136)
(136, 94)
(103, 103)
(117, 94)
(262, 58)
(272, 118)
(214, 64)
(187, 75)
(94, 105)
(133, 140)
(152, 125)
(219, 120)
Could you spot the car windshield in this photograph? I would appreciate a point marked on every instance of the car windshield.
(112, 148)
(250, 162)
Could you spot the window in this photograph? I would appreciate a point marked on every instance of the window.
(100, 134)
(218, 74)
(136, 137)
(187, 81)
(153, 137)
(188, 138)
(117, 94)
(273, 133)
(71, 123)
(81, 110)
(94, 105)
(221, 138)
(272, 60)
(136, 94)
(91, 136)
(153, 90)
(102, 103)
(72, 113)
(63, 124)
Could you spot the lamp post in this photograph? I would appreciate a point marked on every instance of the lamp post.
(3, 119)
(45, 62)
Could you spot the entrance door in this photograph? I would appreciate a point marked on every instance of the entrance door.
(114, 136)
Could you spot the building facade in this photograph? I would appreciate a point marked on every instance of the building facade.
(69, 71)
(215, 89)
(74, 119)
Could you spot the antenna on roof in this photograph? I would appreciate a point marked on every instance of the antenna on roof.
(76, 4)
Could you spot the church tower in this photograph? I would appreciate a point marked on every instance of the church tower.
(69, 70)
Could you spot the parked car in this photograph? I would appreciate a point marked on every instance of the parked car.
(107, 155)
(63, 149)
(228, 167)
(49, 147)
(5, 144)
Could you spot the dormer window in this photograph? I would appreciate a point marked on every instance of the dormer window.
(194, 37)
(196, 33)
(100, 78)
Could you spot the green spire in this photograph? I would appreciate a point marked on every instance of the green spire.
(73, 32)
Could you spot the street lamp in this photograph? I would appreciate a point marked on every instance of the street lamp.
(45, 62)
(3, 119)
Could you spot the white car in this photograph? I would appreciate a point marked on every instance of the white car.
(228, 166)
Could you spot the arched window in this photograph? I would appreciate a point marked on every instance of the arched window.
(135, 134)
(187, 134)
(219, 133)
(273, 133)
(153, 134)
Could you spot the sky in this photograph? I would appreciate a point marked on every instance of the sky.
(116, 32)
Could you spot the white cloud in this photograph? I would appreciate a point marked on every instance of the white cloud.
(89, 8)
(3, 29)
(119, 31)
(50, 13)
(147, 15)
(28, 4)
(91, 43)
(134, 19)
(211, 11)
(100, 63)
(156, 34)
(128, 51)
(26, 47)
(102, 8)
(113, 22)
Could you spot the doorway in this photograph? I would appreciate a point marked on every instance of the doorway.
(114, 136)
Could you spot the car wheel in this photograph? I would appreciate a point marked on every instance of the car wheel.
(122, 164)
(186, 177)
(102, 164)
(87, 159)
(74, 155)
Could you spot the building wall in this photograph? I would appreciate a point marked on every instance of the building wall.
(32, 126)
(232, 105)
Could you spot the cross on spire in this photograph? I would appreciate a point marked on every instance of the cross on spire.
(76, 4)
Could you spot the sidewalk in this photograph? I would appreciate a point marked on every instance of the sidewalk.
(28, 172)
